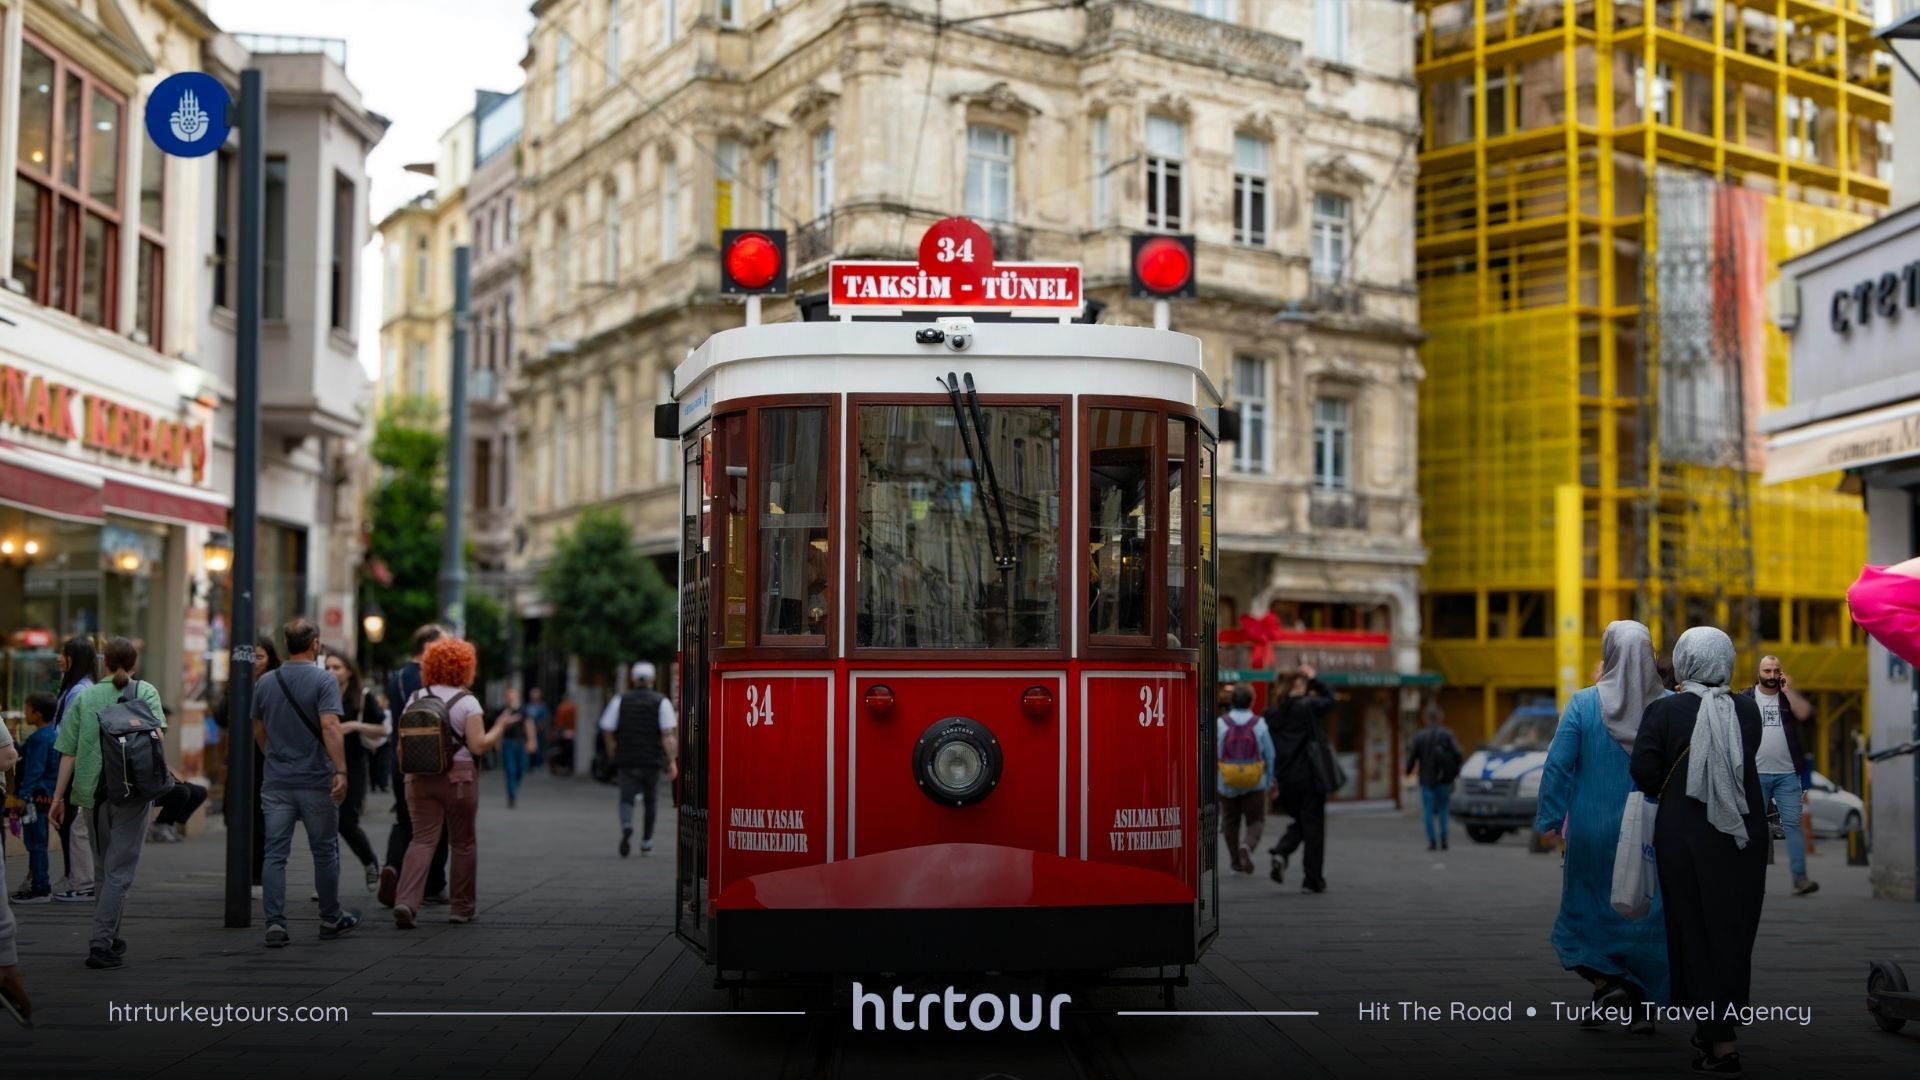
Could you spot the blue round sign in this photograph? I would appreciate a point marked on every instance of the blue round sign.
(187, 114)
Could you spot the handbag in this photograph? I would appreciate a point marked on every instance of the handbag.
(1635, 876)
(1327, 772)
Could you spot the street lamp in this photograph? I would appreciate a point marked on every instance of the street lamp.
(217, 554)
(374, 623)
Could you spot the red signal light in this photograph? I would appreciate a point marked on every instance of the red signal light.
(1164, 264)
(753, 260)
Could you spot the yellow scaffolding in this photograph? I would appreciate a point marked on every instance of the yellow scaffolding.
(1544, 123)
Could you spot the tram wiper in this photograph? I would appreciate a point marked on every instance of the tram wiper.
(951, 384)
(1003, 558)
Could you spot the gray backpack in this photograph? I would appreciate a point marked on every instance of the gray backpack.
(133, 756)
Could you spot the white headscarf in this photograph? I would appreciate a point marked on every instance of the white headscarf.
(1716, 773)
(1628, 679)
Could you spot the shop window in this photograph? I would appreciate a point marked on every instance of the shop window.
(795, 554)
(1120, 522)
(67, 214)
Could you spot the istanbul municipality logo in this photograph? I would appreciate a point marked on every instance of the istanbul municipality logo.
(187, 114)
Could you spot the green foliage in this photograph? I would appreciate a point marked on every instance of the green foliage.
(610, 604)
(406, 516)
(491, 632)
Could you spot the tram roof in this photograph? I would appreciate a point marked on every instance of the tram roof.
(1005, 357)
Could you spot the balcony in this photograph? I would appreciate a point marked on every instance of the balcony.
(334, 49)
(1193, 39)
(813, 241)
(1336, 510)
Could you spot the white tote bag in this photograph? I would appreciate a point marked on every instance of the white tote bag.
(1634, 875)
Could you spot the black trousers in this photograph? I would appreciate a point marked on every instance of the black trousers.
(401, 835)
(1309, 810)
(178, 805)
(635, 780)
(351, 833)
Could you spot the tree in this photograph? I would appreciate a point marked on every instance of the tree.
(406, 519)
(610, 604)
(491, 632)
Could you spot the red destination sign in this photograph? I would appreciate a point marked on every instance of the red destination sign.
(956, 272)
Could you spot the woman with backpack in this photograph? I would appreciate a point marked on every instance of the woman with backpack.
(77, 661)
(119, 828)
(451, 795)
(1583, 787)
(1244, 751)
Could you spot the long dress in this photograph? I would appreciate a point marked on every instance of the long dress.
(1584, 787)
(1712, 888)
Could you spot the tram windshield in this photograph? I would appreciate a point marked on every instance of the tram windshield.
(928, 577)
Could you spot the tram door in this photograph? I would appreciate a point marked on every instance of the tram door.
(696, 546)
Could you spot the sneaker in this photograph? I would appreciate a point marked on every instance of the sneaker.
(458, 919)
(373, 876)
(255, 892)
(1708, 1065)
(345, 923)
(626, 842)
(1314, 887)
(1806, 887)
(1431, 846)
(1243, 859)
(438, 899)
(32, 896)
(1443, 843)
(119, 947)
(278, 938)
(314, 896)
(389, 884)
(646, 847)
(1279, 871)
(100, 959)
(1608, 996)
(403, 917)
(74, 896)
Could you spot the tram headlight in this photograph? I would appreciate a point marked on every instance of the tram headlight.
(957, 762)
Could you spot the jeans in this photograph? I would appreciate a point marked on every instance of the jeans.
(314, 809)
(513, 762)
(1784, 790)
(119, 832)
(1433, 810)
(641, 782)
(36, 837)
(442, 808)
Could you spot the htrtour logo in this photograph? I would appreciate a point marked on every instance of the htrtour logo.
(984, 1011)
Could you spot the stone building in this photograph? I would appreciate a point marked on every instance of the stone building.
(1280, 133)
(495, 344)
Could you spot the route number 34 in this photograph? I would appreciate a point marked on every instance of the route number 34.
(759, 706)
(952, 251)
(1153, 706)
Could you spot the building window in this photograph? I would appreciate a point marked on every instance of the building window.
(1330, 30)
(1250, 396)
(770, 193)
(418, 376)
(273, 246)
(612, 43)
(482, 475)
(66, 222)
(669, 209)
(989, 195)
(669, 22)
(1249, 190)
(1101, 162)
(1166, 157)
(390, 374)
(1332, 444)
(610, 240)
(666, 452)
(340, 295)
(512, 217)
(562, 260)
(562, 79)
(150, 276)
(823, 172)
(506, 336)
(609, 440)
(729, 12)
(420, 262)
(560, 440)
(1224, 10)
(222, 223)
(726, 185)
(1803, 129)
(1332, 216)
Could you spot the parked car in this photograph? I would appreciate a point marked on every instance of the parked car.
(1832, 810)
(1499, 786)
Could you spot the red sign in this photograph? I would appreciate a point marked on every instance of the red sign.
(956, 272)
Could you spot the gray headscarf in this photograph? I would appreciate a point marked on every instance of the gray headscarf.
(1628, 679)
(1716, 773)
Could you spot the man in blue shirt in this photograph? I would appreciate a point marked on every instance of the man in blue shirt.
(1244, 749)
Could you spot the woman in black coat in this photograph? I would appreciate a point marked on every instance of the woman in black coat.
(1694, 756)
(1294, 720)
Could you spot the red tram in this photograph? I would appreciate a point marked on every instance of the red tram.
(947, 622)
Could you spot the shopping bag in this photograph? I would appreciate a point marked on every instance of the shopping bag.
(1634, 875)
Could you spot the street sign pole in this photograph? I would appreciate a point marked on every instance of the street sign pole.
(453, 558)
(242, 785)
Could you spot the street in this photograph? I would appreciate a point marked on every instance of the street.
(568, 927)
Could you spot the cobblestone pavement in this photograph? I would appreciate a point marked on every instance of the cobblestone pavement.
(567, 926)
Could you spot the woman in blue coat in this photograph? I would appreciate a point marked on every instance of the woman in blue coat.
(1582, 792)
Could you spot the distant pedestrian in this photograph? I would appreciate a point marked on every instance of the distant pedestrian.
(401, 686)
(449, 802)
(119, 830)
(364, 724)
(77, 663)
(266, 660)
(1584, 785)
(1435, 758)
(1303, 762)
(539, 721)
(1694, 754)
(516, 749)
(1785, 775)
(296, 713)
(1244, 749)
(564, 721)
(173, 810)
(638, 730)
(39, 774)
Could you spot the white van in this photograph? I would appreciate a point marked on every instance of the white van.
(1499, 786)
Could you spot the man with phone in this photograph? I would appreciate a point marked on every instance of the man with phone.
(1784, 774)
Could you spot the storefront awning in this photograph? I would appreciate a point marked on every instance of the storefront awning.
(1340, 678)
(29, 482)
(1846, 442)
(110, 491)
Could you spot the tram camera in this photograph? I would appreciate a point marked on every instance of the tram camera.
(959, 333)
(959, 341)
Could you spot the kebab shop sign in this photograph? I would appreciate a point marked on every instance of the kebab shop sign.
(41, 406)
(956, 272)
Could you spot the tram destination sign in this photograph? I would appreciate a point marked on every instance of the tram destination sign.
(956, 272)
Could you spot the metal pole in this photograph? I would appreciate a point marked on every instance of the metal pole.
(241, 783)
(753, 309)
(1162, 315)
(453, 558)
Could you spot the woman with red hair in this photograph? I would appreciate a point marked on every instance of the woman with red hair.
(452, 798)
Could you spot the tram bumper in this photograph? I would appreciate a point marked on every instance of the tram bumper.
(954, 908)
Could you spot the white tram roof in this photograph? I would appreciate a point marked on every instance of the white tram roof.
(883, 358)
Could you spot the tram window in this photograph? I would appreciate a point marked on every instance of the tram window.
(794, 555)
(734, 451)
(1120, 522)
(1179, 529)
(929, 530)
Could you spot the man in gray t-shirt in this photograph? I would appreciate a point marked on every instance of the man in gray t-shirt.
(296, 718)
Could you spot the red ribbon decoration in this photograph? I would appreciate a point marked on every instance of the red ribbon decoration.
(1262, 633)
